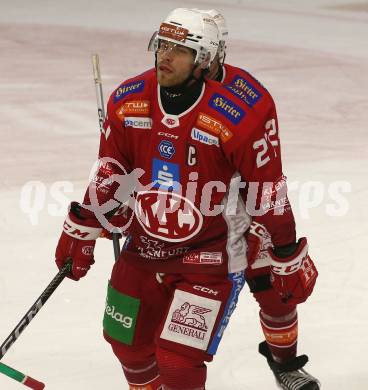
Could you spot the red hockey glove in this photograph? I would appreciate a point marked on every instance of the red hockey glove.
(294, 277)
(77, 241)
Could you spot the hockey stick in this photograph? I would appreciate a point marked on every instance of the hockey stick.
(35, 308)
(20, 377)
(101, 118)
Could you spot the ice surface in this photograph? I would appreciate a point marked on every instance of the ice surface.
(313, 57)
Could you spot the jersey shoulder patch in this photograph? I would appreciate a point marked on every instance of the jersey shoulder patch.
(220, 101)
(135, 85)
(245, 87)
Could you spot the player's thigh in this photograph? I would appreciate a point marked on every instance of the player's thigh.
(198, 313)
(135, 304)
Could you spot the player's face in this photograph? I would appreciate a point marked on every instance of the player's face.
(174, 63)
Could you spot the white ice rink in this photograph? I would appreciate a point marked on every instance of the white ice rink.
(313, 57)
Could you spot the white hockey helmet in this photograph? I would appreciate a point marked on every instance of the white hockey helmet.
(190, 28)
(221, 25)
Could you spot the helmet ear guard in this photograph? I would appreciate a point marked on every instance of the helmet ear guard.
(206, 62)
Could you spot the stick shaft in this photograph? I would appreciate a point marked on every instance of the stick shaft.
(99, 94)
(35, 308)
(101, 119)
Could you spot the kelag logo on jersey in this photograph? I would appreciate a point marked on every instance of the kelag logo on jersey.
(227, 108)
(127, 89)
(166, 149)
(165, 175)
(244, 90)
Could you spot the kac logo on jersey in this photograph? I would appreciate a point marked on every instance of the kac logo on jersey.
(166, 149)
(244, 90)
(204, 138)
(227, 108)
(167, 216)
(127, 89)
(165, 175)
(170, 121)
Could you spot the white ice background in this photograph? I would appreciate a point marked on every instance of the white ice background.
(312, 56)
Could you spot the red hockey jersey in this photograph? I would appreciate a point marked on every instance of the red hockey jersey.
(188, 215)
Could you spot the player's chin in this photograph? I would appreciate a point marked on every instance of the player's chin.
(165, 79)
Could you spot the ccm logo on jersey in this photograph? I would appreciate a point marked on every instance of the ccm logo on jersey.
(204, 138)
(214, 126)
(205, 290)
(138, 123)
(127, 89)
(168, 135)
(227, 108)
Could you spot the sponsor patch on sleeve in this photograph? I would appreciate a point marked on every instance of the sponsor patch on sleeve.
(190, 320)
(227, 108)
(244, 90)
(127, 89)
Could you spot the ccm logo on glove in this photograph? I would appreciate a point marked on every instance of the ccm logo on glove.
(294, 277)
(79, 231)
(77, 241)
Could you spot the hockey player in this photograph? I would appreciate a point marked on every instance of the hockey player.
(190, 141)
(278, 312)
